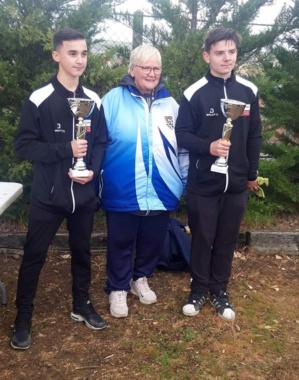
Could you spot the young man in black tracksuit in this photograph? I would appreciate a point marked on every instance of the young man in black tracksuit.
(216, 200)
(47, 136)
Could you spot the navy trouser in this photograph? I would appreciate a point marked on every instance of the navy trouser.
(134, 246)
(214, 223)
(43, 225)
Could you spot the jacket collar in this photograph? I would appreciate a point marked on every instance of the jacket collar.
(79, 93)
(220, 82)
(159, 92)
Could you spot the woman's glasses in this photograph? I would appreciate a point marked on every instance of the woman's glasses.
(147, 69)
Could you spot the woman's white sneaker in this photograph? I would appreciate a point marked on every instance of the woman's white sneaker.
(118, 304)
(141, 289)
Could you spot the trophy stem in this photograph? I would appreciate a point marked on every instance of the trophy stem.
(227, 130)
(80, 129)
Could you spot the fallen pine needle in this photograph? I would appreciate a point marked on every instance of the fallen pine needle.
(110, 356)
(88, 367)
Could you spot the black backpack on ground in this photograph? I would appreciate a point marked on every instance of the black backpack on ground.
(176, 251)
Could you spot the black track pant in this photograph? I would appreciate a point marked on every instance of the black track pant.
(214, 223)
(43, 225)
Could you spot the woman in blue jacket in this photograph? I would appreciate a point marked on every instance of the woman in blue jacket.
(141, 179)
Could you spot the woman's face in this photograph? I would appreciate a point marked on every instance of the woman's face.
(147, 74)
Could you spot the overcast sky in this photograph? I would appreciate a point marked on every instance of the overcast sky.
(120, 32)
(267, 14)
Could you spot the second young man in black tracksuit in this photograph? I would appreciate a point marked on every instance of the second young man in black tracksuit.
(216, 200)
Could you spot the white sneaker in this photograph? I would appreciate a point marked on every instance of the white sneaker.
(118, 304)
(141, 289)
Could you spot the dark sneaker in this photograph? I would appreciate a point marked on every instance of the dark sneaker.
(223, 306)
(194, 303)
(89, 316)
(21, 338)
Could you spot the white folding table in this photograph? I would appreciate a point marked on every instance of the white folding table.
(9, 192)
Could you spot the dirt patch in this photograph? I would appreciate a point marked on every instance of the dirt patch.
(157, 341)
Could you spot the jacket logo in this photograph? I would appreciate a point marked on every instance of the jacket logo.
(212, 112)
(58, 129)
(169, 122)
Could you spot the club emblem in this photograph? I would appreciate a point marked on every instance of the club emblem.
(169, 122)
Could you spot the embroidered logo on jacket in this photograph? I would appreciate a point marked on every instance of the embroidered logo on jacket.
(169, 122)
(58, 129)
(212, 112)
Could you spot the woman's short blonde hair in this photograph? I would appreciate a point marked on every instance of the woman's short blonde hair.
(141, 54)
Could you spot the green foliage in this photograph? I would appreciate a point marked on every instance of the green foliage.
(278, 84)
(283, 173)
(260, 212)
(282, 194)
(182, 64)
(105, 71)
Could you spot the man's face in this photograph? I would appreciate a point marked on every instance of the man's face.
(146, 82)
(72, 58)
(222, 58)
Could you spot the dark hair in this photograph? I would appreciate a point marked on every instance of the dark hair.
(221, 34)
(66, 34)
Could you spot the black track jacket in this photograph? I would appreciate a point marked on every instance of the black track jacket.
(200, 122)
(44, 136)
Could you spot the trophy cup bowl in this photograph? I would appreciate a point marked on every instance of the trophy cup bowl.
(80, 108)
(231, 109)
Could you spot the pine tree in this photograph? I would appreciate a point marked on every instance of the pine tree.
(279, 84)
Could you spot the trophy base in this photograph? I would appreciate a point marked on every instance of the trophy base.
(79, 173)
(219, 169)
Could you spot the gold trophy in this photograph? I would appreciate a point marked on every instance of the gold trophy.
(231, 109)
(80, 109)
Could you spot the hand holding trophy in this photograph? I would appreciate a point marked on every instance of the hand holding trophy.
(80, 109)
(231, 109)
